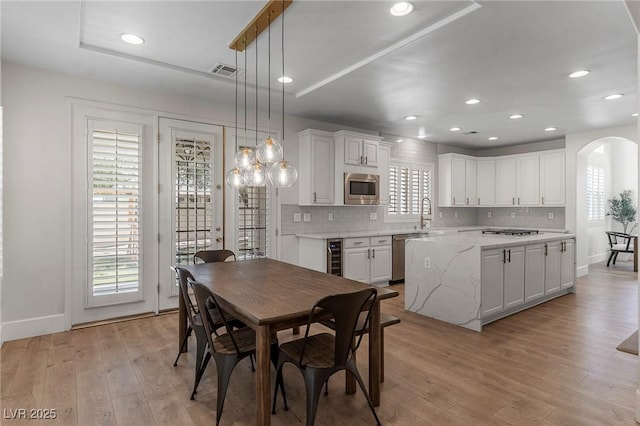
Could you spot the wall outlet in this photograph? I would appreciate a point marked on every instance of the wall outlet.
(440, 215)
(488, 214)
(330, 216)
(297, 217)
(373, 216)
(550, 216)
(455, 215)
(427, 262)
(307, 217)
(513, 215)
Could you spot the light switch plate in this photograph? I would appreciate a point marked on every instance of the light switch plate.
(488, 214)
(297, 217)
(513, 215)
(427, 262)
(550, 216)
(455, 215)
(373, 216)
(440, 215)
(307, 217)
(330, 217)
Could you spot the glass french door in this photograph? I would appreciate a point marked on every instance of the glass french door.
(191, 197)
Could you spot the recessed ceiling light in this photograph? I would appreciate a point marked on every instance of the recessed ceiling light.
(516, 116)
(132, 39)
(401, 8)
(410, 117)
(613, 96)
(578, 74)
(399, 140)
(550, 129)
(493, 138)
(635, 114)
(285, 79)
(472, 101)
(455, 129)
(422, 135)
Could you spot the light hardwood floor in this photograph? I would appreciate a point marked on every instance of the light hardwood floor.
(555, 364)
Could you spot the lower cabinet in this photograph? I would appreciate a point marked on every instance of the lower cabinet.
(559, 265)
(367, 260)
(502, 279)
(534, 272)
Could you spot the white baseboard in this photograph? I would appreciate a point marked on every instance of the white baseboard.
(596, 258)
(581, 271)
(12, 330)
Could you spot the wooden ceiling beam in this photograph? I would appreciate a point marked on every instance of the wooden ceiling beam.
(261, 22)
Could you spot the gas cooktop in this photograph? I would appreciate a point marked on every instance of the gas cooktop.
(512, 232)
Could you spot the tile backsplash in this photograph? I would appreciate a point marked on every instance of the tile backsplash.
(371, 218)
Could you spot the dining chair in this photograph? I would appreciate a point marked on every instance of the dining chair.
(208, 256)
(194, 321)
(227, 349)
(320, 356)
(618, 243)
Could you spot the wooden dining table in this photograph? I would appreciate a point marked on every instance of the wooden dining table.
(268, 296)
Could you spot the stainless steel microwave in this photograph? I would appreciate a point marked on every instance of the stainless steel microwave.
(361, 189)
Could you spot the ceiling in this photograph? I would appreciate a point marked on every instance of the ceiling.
(354, 64)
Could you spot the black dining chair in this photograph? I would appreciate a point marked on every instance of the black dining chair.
(320, 356)
(208, 256)
(618, 243)
(227, 349)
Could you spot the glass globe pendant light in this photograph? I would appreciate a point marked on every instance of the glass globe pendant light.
(256, 173)
(245, 157)
(235, 177)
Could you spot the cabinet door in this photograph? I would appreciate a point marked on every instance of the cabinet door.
(322, 176)
(380, 264)
(383, 163)
(534, 272)
(356, 264)
(470, 184)
(552, 268)
(492, 282)
(370, 153)
(552, 176)
(505, 182)
(528, 180)
(458, 181)
(514, 277)
(486, 182)
(353, 150)
(568, 268)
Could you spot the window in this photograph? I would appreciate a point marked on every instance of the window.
(409, 184)
(252, 222)
(595, 192)
(115, 211)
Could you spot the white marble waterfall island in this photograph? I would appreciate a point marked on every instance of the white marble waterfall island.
(470, 279)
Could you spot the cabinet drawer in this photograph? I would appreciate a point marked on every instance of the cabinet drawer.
(384, 240)
(356, 242)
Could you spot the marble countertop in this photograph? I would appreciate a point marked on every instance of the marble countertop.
(489, 241)
(432, 232)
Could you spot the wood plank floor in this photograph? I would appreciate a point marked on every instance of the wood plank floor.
(554, 364)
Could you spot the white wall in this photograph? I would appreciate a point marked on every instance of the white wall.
(596, 237)
(37, 176)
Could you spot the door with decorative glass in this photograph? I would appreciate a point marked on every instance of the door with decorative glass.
(191, 197)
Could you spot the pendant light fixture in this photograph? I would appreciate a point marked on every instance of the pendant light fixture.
(256, 174)
(245, 157)
(283, 174)
(235, 178)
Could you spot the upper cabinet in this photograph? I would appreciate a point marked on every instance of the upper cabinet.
(552, 178)
(536, 179)
(359, 150)
(316, 178)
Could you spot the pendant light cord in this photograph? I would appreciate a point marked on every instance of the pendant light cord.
(245, 92)
(236, 109)
(269, 78)
(257, 88)
(282, 44)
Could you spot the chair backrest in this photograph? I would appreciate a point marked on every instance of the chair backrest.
(204, 295)
(183, 277)
(345, 310)
(613, 238)
(209, 256)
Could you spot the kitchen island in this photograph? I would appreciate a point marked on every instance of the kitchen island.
(470, 278)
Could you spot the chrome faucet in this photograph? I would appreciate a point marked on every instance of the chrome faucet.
(424, 218)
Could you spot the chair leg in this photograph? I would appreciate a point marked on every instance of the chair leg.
(382, 355)
(199, 373)
(201, 347)
(253, 367)
(313, 383)
(182, 345)
(610, 257)
(224, 366)
(279, 384)
(615, 258)
(351, 366)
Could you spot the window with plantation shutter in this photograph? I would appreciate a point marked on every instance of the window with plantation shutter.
(114, 213)
(252, 222)
(408, 185)
(595, 193)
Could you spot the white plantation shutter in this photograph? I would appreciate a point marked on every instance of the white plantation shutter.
(253, 222)
(408, 184)
(595, 192)
(114, 213)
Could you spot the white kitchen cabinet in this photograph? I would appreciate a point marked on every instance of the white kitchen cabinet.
(486, 182)
(568, 264)
(528, 180)
(360, 151)
(552, 178)
(502, 279)
(456, 180)
(316, 173)
(367, 259)
(552, 267)
(534, 272)
(383, 161)
(505, 181)
(514, 277)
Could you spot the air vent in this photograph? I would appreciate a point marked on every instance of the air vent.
(473, 132)
(224, 70)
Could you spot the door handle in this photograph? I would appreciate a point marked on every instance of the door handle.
(513, 201)
(314, 197)
(374, 253)
(478, 200)
(546, 250)
(219, 240)
(518, 200)
(467, 200)
(368, 253)
(504, 256)
(542, 200)
(454, 200)
(509, 255)
(366, 160)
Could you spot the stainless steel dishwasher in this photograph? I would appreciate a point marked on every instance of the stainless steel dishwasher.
(397, 256)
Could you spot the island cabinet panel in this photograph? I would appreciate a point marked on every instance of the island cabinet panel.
(568, 268)
(552, 267)
(492, 294)
(534, 272)
(514, 277)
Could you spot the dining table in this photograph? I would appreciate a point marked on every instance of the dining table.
(270, 295)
